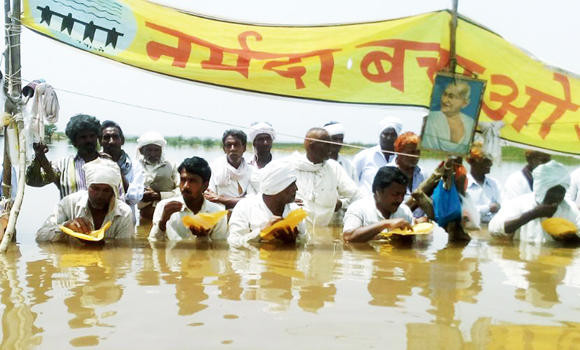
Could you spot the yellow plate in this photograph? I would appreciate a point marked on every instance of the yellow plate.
(290, 221)
(423, 228)
(560, 229)
(203, 221)
(93, 236)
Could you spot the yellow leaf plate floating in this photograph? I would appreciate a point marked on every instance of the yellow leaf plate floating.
(289, 222)
(423, 228)
(204, 221)
(560, 229)
(93, 236)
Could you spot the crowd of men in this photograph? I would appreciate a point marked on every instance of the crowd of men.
(382, 189)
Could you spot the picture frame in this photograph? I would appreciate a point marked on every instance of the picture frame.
(453, 113)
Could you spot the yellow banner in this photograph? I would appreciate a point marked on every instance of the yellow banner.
(390, 62)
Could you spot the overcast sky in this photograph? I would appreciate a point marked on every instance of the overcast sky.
(547, 29)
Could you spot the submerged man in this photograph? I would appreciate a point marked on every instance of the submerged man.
(336, 132)
(482, 188)
(407, 144)
(323, 185)
(112, 141)
(449, 129)
(262, 136)
(368, 161)
(521, 218)
(273, 203)
(87, 210)
(522, 182)
(67, 174)
(368, 217)
(194, 175)
(231, 175)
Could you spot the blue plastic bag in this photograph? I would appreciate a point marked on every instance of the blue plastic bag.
(446, 204)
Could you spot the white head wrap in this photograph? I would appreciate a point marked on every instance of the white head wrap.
(261, 128)
(391, 122)
(547, 176)
(151, 138)
(334, 129)
(103, 171)
(276, 176)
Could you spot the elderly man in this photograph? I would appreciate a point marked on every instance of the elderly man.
(323, 185)
(194, 175)
(155, 177)
(336, 132)
(368, 162)
(87, 210)
(273, 203)
(67, 174)
(521, 218)
(262, 135)
(368, 217)
(449, 129)
(483, 189)
(231, 175)
(112, 141)
(521, 182)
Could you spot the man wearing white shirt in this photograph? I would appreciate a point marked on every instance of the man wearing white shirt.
(194, 177)
(262, 136)
(573, 192)
(483, 189)
(521, 182)
(336, 132)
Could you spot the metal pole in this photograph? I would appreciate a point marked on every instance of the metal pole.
(452, 36)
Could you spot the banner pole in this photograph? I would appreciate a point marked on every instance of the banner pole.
(452, 36)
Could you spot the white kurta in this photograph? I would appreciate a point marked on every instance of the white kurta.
(367, 163)
(573, 193)
(75, 206)
(364, 212)
(515, 186)
(484, 195)
(162, 177)
(348, 167)
(437, 134)
(229, 181)
(532, 231)
(320, 186)
(174, 228)
(250, 216)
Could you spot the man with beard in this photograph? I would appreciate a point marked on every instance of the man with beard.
(112, 141)
(67, 174)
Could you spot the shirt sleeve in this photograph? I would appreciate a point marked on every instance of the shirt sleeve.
(156, 234)
(240, 229)
(353, 218)
(496, 226)
(124, 228)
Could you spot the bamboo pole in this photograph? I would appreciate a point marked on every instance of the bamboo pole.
(7, 165)
(452, 37)
(14, 88)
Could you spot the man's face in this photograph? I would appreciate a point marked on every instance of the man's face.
(452, 101)
(335, 149)
(288, 195)
(151, 153)
(263, 143)
(86, 141)
(234, 149)
(192, 186)
(408, 161)
(537, 158)
(387, 139)
(100, 196)
(318, 152)
(555, 195)
(111, 140)
(391, 197)
(481, 166)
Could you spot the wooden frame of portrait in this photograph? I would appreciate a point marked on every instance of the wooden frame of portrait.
(462, 106)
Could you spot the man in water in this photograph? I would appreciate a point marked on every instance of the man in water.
(482, 188)
(262, 136)
(336, 132)
(449, 129)
(194, 175)
(87, 210)
(521, 182)
(407, 145)
(112, 141)
(368, 217)
(521, 218)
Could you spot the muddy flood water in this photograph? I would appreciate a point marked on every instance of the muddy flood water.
(325, 294)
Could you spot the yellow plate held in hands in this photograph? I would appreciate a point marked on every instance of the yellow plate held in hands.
(204, 221)
(560, 229)
(93, 236)
(423, 228)
(289, 222)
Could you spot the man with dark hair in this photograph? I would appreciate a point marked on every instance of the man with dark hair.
(194, 177)
(368, 217)
(231, 179)
(67, 174)
(112, 139)
(522, 182)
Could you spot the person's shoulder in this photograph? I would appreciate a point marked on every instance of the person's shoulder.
(363, 153)
(123, 209)
(363, 204)
(211, 207)
(75, 196)
(163, 202)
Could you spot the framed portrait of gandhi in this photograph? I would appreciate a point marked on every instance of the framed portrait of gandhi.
(453, 113)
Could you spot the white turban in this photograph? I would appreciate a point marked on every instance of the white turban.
(334, 129)
(276, 176)
(391, 122)
(103, 171)
(151, 138)
(261, 128)
(547, 176)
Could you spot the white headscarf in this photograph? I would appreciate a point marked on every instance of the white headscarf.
(334, 129)
(103, 171)
(276, 176)
(547, 176)
(261, 128)
(391, 122)
(150, 138)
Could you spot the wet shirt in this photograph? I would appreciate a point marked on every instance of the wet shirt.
(69, 171)
(367, 163)
(483, 195)
(516, 185)
(573, 192)
(364, 213)
(161, 177)
(230, 181)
